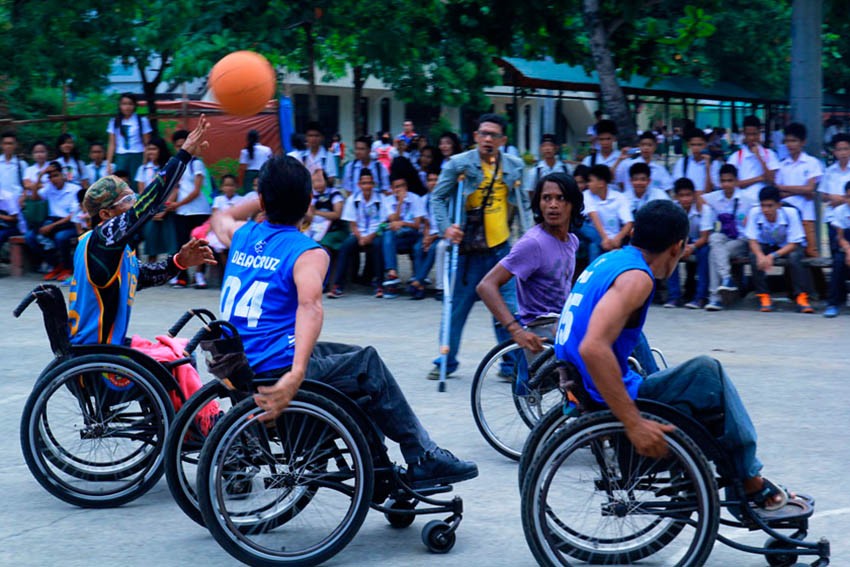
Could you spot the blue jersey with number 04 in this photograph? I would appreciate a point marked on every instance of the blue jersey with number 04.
(258, 295)
(591, 285)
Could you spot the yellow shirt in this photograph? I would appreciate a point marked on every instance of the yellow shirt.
(496, 229)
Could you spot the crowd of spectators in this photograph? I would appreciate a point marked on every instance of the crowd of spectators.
(746, 205)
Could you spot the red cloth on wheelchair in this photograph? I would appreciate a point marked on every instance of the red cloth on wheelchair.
(166, 349)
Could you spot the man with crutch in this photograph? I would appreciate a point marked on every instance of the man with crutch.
(481, 228)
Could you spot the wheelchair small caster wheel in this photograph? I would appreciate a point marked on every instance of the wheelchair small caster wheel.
(438, 536)
(782, 559)
(396, 516)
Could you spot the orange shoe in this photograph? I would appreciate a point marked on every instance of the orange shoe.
(64, 275)
(803, 304)
(766, 303)
(54, 273)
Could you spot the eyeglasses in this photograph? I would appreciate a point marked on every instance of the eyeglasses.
(129, 199)
(491, 135)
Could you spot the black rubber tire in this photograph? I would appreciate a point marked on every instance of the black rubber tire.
(553, 420)
(233, 538)
(438, 536)
(75, 375)
(475, 400)
(399, 519)
(560, 445)
(177, 449)
(783, 560)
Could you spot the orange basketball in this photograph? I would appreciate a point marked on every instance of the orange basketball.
(243, 82)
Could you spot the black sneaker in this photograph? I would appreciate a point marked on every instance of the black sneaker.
(439, 467)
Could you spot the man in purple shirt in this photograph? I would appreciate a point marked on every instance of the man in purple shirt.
(543, 261)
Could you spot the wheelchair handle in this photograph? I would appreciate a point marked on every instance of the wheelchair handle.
(22, 306)
(205, 315)
(210, 330)
(202, 334)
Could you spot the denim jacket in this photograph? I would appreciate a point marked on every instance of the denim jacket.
(469, 164)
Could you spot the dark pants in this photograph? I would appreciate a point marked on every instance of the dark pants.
(701, 389)
(374, 255)
(61, 237)
(470, 270)
(399, 241)
(359, 372)
(838, 285)
(184, 225)
(799, 275)
(6, 233)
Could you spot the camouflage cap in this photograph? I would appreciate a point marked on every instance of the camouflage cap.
(103, 193)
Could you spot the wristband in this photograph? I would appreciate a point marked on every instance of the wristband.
(508, 326)
(176, 263)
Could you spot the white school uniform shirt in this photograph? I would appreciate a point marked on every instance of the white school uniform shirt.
(798, 173)
(199, 205)
(429, 213)
(319, 226)
(788, 227)
(720, 204)
(75, 171)
(696, 171)
(601, 160)
(749, 166)
(841, 217)
(614, 211)
(351, 175)
(11, 173)
(9, 204)
(323, 159)
(659, 177)
(541, 170)
(134, 142)
(367, 215)
(833, 182)
(146, 173)
(95, 172)
(412, 207)
(61, 202)
(222, 202)
(698, 221)
(651, 194)
(262, 154)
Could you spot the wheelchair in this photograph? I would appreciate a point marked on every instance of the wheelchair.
(506, 407)
(295, 490)
(590, 498)
(93, 428)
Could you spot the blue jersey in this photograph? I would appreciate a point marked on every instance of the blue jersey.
(591, 285)
(101, 314)
(258, 295)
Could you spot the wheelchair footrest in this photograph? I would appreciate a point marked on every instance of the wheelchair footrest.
(798, 508)
(431, 490)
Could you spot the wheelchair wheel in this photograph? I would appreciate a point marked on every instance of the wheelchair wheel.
(504, 407)
(554, 419)
(591, 498)
(184, 442)
(294, 492)
(93, 430)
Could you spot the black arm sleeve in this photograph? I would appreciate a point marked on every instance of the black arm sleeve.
(110, 237)
(156, 273)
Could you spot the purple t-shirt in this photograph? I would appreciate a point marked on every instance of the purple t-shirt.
(543, 266)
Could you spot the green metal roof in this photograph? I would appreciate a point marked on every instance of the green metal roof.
(558, 76)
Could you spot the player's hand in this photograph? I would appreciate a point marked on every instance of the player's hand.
(765, 262)
(529, 340)
(195, 252)
(454, 234)
(196, 141)
(648, 437)
(275, 399)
